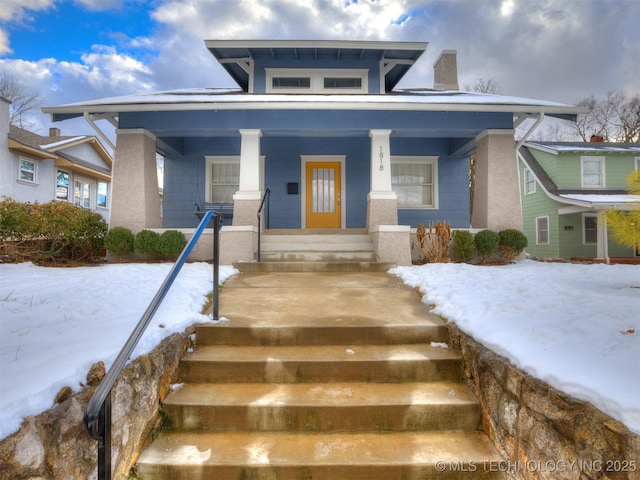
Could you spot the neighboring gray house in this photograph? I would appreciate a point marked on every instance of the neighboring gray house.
(321, 125)
(36, 168)
(565, 188)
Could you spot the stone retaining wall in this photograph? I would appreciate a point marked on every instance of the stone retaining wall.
(542, 432)
(56, 445)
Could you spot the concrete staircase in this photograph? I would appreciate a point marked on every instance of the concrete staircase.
(320, 377)
(335, 250)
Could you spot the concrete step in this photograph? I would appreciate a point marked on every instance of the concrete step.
(351, 331)
(279, 266)
(320, 456)
(322, 407)
(306, 246)
(309, 364)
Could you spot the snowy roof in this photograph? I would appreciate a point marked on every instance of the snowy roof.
(594, 147)
(604, 198)
(220, 99)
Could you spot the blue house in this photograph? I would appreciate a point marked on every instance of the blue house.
(322, 127)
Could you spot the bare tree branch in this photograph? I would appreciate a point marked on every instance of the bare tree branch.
(23, 102)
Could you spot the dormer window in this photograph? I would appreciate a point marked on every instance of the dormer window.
(284, 80)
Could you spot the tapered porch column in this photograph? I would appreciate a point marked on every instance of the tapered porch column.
(135, 197)
(496, 200)
(382, 202)
(247, 199)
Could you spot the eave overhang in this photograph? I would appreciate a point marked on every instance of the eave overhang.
(236, 56)
(202, 101)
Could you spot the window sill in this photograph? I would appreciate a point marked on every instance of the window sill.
(28, 183)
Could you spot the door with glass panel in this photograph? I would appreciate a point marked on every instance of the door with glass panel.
(323, 188)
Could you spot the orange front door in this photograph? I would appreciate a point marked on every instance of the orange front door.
(323, 195)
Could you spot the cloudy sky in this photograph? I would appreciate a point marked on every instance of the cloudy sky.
(559, 50)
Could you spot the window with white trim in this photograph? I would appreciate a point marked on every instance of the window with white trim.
(290, 80)
(28, 170)
(589, 228)
(542, 230)
(62, 185)
(592, 172)
(103, 195)
(415, 181)
(529, 182)
(82, 193)
(223, 179)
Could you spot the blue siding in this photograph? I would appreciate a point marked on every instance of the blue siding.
(184, 178)
(349, 122)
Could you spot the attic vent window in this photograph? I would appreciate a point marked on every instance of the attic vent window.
(343, 82)
(291, 80)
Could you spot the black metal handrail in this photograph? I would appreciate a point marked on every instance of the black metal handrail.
(97, 416)
(265, 201)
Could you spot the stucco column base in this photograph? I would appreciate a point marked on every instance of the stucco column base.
(245, 210)
(496, 200)
(135, 197)
(238, 244)
(392, 243)
(382, 209)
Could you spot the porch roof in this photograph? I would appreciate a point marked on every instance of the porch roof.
(233, 99)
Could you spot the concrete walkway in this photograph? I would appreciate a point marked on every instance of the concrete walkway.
(367, 298)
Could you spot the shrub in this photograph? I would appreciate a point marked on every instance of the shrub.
(435, 244)
(171, 243)
(119, 241)
(486, 242)
(511, 243)
(147, 242)
(50, 232)
(463, 246)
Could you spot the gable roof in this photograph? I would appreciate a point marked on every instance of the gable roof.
(592, 199)
(236, 55)
(585, 147)
(53, 147)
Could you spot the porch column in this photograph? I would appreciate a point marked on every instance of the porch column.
(135, 197)
(496, 200)
(382, 202)
(602, 247)
(247, 199)
(391, 241)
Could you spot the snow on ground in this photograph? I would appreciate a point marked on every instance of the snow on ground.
(575, 326)
(57, 322)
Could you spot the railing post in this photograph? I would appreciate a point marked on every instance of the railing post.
(216, 262)
(104, 444)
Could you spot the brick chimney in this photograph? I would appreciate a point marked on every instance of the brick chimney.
(597, 138)
(445, 71)
(54, 132)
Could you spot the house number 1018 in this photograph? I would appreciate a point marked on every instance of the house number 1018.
(381, 157)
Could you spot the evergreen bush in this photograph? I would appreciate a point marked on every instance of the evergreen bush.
(511, 243)
(147, 242)
(487, 242)
(119, 241)
(171, 243)
(463, 246)
(50, 232)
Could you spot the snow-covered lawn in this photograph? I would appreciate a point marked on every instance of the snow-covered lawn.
(575, 326)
